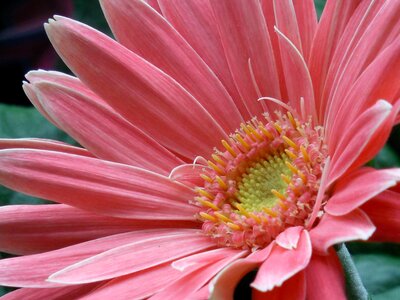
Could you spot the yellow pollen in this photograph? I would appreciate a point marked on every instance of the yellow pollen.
(292, 120)
(206, 178)
(302, 176)
(205, 194)
(255, 133)
(290, 142)
(221, 183)
(207, 203)
(305, 154)
(216, 168)
(270, 212)
(255, 218)
(241, 209)
(233, 226)
(208, 217)
(290, 154)
(222, 217)
(286, 178)
(228, 148)
(266, 132)
(277, 194)
(283, 205)
(218, 159)
(278, 128)
(245, 129)
(240, 139)
(292, 168)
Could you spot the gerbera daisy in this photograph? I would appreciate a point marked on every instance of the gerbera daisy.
(220, 137)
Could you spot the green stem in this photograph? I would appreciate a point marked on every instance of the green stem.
(354, 286)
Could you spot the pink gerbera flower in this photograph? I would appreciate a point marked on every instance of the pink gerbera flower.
(219, 137)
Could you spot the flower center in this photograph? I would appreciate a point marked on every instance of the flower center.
(265, 180)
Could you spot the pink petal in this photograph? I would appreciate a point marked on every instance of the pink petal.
(355, 29)
(192, 281)
(154, 4)
(204, 258)
(332, 230)
(381, 32)
(356, 138)
(95, 185)
(251, 60)
(307, 21)
(69, 292)
(96, 126)
(139, 285)
(296, 70)
(293, 288)
(29, 229)
(145, 32)
(333, 21)
(358, 187)
(195, 21)
(136, 89)
(42, 144)
(188, 174)
(325, 278)
(282, 264)
(384, 212)
(286, 21)
(376, 82)
(124, 260)
(223, 285)
(289, 238)
(33, 270)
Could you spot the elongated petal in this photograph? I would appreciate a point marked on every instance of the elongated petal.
(356, 138)
(42, 144)
(293, 288)
(69, 292)
(145, 32)
(307, 22)
(191, 282)
(251, 60)
(282, 264)
(355, 189)
(286, 21)
(376, 82)
(295, 70)
(95, 185)
(330, 28)
(29, 229)
(195, 21)
(325, 278)
(384, 212)
(33, 270)
(381, 31)
(139, 285)
(204, 258)
(355, 29)
(136, 89)
(188, 174)
(94, 126)
(133, 257)
(333, 230)
(223, 285)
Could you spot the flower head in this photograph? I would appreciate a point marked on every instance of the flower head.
(219, 137)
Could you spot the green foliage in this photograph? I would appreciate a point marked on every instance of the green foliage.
(24, 122)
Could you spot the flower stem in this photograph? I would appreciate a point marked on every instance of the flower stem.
(354, 287)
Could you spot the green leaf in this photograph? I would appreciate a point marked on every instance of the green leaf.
(23, 122)
(319, 5)
(380, 274)
(386, 158)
